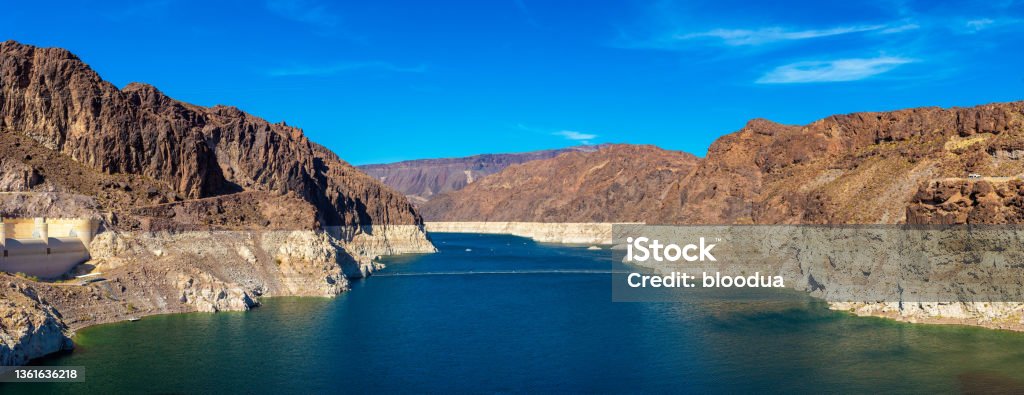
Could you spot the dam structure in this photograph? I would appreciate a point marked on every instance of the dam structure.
(45, 247)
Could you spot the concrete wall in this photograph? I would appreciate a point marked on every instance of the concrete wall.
(44, 247)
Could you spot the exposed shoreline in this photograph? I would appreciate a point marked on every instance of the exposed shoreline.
(146, 274)
(879, 311)
(545, 232)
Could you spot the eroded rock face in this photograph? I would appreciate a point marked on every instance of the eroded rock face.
(29, 327)
(17, 176)
(617, 183)
(208, 294)
(855, 168)
(50, 95)
(959, 201)
(54, 98)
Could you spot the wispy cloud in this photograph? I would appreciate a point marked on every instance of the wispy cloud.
(752, 37)
(303, 11)
(572, 135)
(768, 35)
(976, 25)
(341, 67)
(832, 70)
(583, 138)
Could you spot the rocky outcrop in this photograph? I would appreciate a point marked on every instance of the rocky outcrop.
(617, 183)
(56, 100)
(967, 201)
(17, 176)
(29, 326)
(423, 179)
(376, 241)
(564, 233)
(207, 294)
(856, 168)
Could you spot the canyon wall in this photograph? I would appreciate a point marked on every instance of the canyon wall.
(199, 208)
(191, 152)
(617, 183)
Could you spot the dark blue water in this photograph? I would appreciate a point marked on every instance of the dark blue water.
(524, 331)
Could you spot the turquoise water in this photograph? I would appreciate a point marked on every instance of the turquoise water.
(530, 328)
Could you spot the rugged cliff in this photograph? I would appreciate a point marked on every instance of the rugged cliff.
(55, 99)
(617, 183)
(423, 179)
(856, 168)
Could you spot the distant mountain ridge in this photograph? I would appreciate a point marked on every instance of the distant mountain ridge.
(422, 179)
(864, 168)
(617, 183)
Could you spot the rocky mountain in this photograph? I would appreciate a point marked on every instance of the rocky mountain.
(423, 179)
(200, 209)
(135, 146)
(872, 167)
(615, 183)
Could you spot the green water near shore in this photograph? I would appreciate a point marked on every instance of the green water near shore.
(524, 327)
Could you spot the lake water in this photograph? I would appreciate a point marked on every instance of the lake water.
(539, 318)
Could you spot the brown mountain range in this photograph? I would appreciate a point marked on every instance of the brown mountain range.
(423, 179)
(615, 183)
(873, 167)
(63, 127)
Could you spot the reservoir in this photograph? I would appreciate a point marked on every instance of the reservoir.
(493, 313)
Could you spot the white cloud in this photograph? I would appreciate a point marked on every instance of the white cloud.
(576, 136)
(979, 24)
(832, 70)
(343, 67)
(767, 35)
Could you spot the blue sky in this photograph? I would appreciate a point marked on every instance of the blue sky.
(389, 80)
